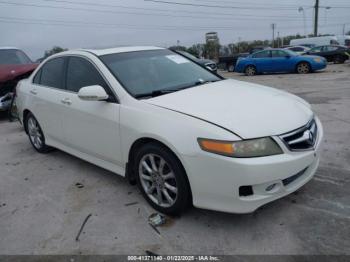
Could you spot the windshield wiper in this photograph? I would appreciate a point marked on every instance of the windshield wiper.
(168, 91)
(156, 93)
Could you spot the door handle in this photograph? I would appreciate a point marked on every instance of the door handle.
(33, 91)
(66, 101)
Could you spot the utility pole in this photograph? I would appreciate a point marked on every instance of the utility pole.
(278, 39)
(343, 29)
(273, 26)
(317, 5)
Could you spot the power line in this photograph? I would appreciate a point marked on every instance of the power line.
(112, 11)
(68, 23)
(222, 6)
(152, 9)
(232, 18)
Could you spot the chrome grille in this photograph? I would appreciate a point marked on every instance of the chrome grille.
(301, 139)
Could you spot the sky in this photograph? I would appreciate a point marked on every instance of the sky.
(37, 25)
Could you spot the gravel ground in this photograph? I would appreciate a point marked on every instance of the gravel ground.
(44, 199)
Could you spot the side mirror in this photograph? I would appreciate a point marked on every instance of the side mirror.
(288, 56)
(92, 93)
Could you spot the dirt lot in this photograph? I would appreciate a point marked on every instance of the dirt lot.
(42, 207)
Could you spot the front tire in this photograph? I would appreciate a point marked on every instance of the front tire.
(162, 179)
(35, 134)
(303, 68)
(339, 60)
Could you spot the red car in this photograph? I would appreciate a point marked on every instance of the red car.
(15, 65)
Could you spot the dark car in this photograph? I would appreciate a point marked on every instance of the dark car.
(333, 53)
(15, 65)
(211, 65)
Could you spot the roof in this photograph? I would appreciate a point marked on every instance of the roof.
(7, 47)
(100, 52)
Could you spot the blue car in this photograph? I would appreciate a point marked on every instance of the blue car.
(278, 61)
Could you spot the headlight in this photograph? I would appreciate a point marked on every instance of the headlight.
(318, 59)
(245, 148)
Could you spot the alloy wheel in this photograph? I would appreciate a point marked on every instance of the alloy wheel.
(250, 71)
(158, 180)
(35, 134)
(303, 68)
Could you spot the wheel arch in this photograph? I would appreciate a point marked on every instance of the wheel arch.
(250, 64)
(130, 173)
(25, 114)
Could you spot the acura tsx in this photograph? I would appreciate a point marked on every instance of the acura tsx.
(184, 134)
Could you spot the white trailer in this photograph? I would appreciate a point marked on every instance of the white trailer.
(315, 41)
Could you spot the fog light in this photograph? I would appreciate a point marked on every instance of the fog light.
(271, 187)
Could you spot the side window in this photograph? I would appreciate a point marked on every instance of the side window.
(316, 49)
(81, 72)
(297, 49)
(37, 78)
(263, 54)
(278, 53)
(330, 48)
(52, 73)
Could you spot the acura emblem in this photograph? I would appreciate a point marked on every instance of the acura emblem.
(310, 135)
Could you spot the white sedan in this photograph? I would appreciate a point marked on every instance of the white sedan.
(184, 134)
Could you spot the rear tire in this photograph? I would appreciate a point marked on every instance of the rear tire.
(231, 68)
(162, 179)
(250, 70)
(303, 68)
(36, 135)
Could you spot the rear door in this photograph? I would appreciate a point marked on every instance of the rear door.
(47, 91)
(91, 127)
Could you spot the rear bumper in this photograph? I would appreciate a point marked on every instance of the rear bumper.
(216, 180)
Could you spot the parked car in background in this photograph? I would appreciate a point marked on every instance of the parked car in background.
(298, 49)
(14, 66)
(231, 61)
(211, 65)
(333, 53)
(344, 40)
(315, 41)
(277, 61)
(185, 134)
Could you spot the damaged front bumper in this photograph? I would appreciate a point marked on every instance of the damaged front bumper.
(5, 101)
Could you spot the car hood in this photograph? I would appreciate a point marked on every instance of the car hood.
(248, 110)
(10, 72)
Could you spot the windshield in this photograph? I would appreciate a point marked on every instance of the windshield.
(13, 57)
(188, 55)
(152, 71)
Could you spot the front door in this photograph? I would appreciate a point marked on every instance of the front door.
(281, 61)
(91, 127)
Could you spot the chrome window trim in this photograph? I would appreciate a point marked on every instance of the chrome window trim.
(72, 92)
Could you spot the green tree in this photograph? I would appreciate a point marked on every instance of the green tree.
(54, 50)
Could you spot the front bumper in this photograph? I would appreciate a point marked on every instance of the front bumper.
(5, 102)
(216, 180)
